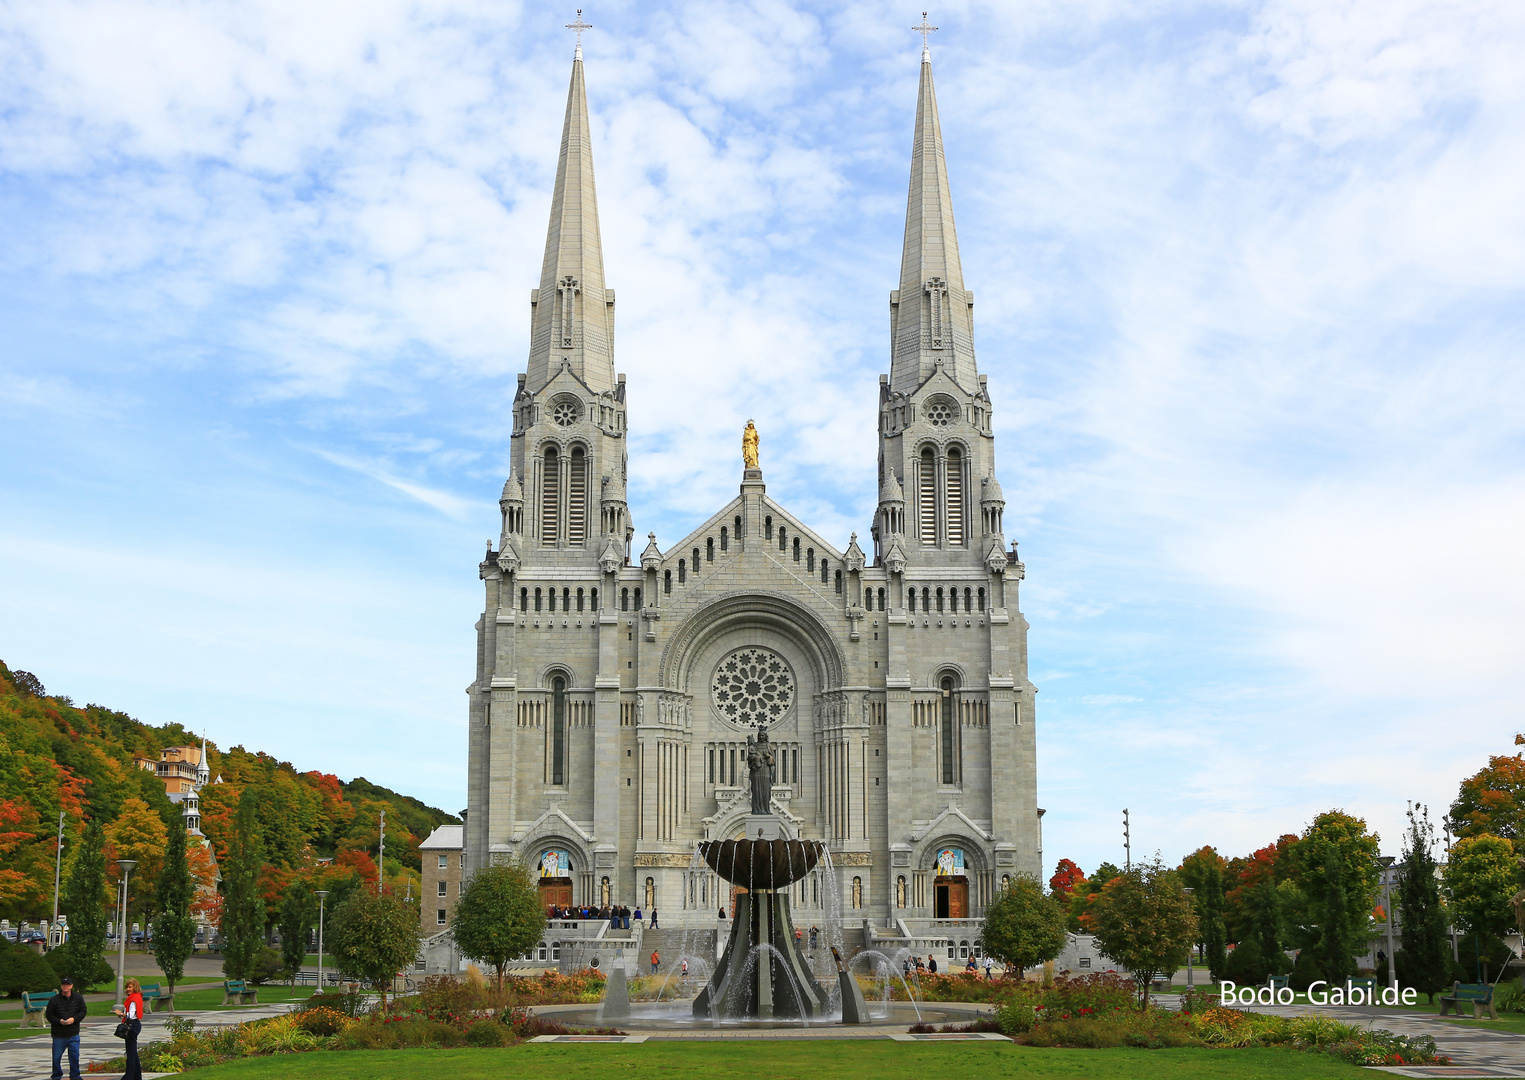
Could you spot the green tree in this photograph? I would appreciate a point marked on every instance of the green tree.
(1143, 919)
(1085, 891)
(499, 917)
(85, 901)
(299, 910)
(375, 937)
(1480, 878)
(1024, 926)
(1202, 872)
(174, 928)
(1334, 865)
(243, 912)
(1261, 908)
(1425, 963)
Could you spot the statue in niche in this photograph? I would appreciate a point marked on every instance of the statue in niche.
(749, 446)
(760, 771)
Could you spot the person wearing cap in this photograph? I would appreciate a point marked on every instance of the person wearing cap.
(64, 1014)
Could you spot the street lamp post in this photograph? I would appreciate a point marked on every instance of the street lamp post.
(58, 867)
(1386, 863)
(126, 866)
(1190, 950)
(322, 896)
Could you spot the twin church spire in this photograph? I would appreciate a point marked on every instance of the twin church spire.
(931, 314)
(573, 312)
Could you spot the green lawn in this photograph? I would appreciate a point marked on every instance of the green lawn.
(196, 1000)
(789, 1060)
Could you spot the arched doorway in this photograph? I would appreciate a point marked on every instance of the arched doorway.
(950, 888)
(555, 870)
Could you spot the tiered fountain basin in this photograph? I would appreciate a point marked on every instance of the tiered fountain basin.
(761, 864)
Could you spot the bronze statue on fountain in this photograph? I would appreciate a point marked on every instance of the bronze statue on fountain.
(761, 974)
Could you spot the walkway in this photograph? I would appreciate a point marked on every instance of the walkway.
(1475, 1051)
(29, 1057)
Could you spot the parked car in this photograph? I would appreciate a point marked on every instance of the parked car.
(29, 937)
(10, 935)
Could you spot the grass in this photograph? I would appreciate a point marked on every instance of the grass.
(197, 1000)
(789, 1059)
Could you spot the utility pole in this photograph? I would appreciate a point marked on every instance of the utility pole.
(58, 868)
(381, 854)
(1127, 843)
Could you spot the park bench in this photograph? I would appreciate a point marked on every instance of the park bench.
(156, 999)
(1479, 994)
(1277, 982)
(239, 989)
(33, 1005)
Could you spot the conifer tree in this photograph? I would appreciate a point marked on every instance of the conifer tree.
(174, 928)
(1426, 963)
(243, 915)
(299, 911)
(84, 902)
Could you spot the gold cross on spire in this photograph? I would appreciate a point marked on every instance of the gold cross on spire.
(925, 30)
(579, 26)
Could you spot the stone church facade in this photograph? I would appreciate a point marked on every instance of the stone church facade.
(617, 681)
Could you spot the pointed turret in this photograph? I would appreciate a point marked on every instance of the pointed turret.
(931, 317)
(573, 314)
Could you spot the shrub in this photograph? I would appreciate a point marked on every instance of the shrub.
(487, 1033)
(1246, 964)
(322, 1021)
(348, 1004)
(86, 970)
(1306, 971)
(23, 971)
(1017, 1017)
(266, 966)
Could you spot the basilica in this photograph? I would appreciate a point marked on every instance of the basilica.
(618, 679)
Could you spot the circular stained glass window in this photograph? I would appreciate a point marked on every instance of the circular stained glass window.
(753, 686)
(565, 413)
(939, 414)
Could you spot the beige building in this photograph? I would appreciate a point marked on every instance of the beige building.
(442, 854)
(616, 685)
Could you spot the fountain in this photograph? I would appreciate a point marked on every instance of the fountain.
(761, 974)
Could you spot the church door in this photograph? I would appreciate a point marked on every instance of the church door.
(556, 891)
(951, 899)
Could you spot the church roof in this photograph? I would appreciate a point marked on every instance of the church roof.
(573, 311)
(931, 324)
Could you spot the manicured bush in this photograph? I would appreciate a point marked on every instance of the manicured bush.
(1246, 964)
(265, 967)
(348, 1004)
(322, 1021)
(487, 1033)
(23, 971)
(1306, 971)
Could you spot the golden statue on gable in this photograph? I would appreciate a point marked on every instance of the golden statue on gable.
(749, 446)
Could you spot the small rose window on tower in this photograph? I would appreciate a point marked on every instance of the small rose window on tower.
(939, 413)
(565, 412)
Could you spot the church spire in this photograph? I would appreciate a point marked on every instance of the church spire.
(573, 314)
(931, 318)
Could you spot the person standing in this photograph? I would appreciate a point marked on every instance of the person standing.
(131, 1013)
(656, 959)
(64, 1014)
(931, 964)
(989, 968)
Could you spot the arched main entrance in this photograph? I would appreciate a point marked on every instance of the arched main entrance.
(555, 871)
(950, 888)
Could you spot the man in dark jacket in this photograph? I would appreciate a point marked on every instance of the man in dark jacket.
(64, 1014)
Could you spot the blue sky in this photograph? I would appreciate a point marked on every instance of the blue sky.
(1250, 285)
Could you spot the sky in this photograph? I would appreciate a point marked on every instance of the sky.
(1250, 283)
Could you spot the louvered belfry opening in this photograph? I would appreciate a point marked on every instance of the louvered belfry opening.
(955, 496)
(550, 497)
(926, 498)
(577, 497)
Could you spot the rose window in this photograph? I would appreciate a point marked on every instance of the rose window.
(565, 413)
(939, 414)
(753, 686)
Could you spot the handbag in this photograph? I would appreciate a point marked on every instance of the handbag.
(122, 1030)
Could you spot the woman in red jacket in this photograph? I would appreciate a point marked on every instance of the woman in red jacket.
(131, 1014)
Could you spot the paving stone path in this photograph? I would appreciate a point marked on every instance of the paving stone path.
(1475, 1051)
(31, 1057)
